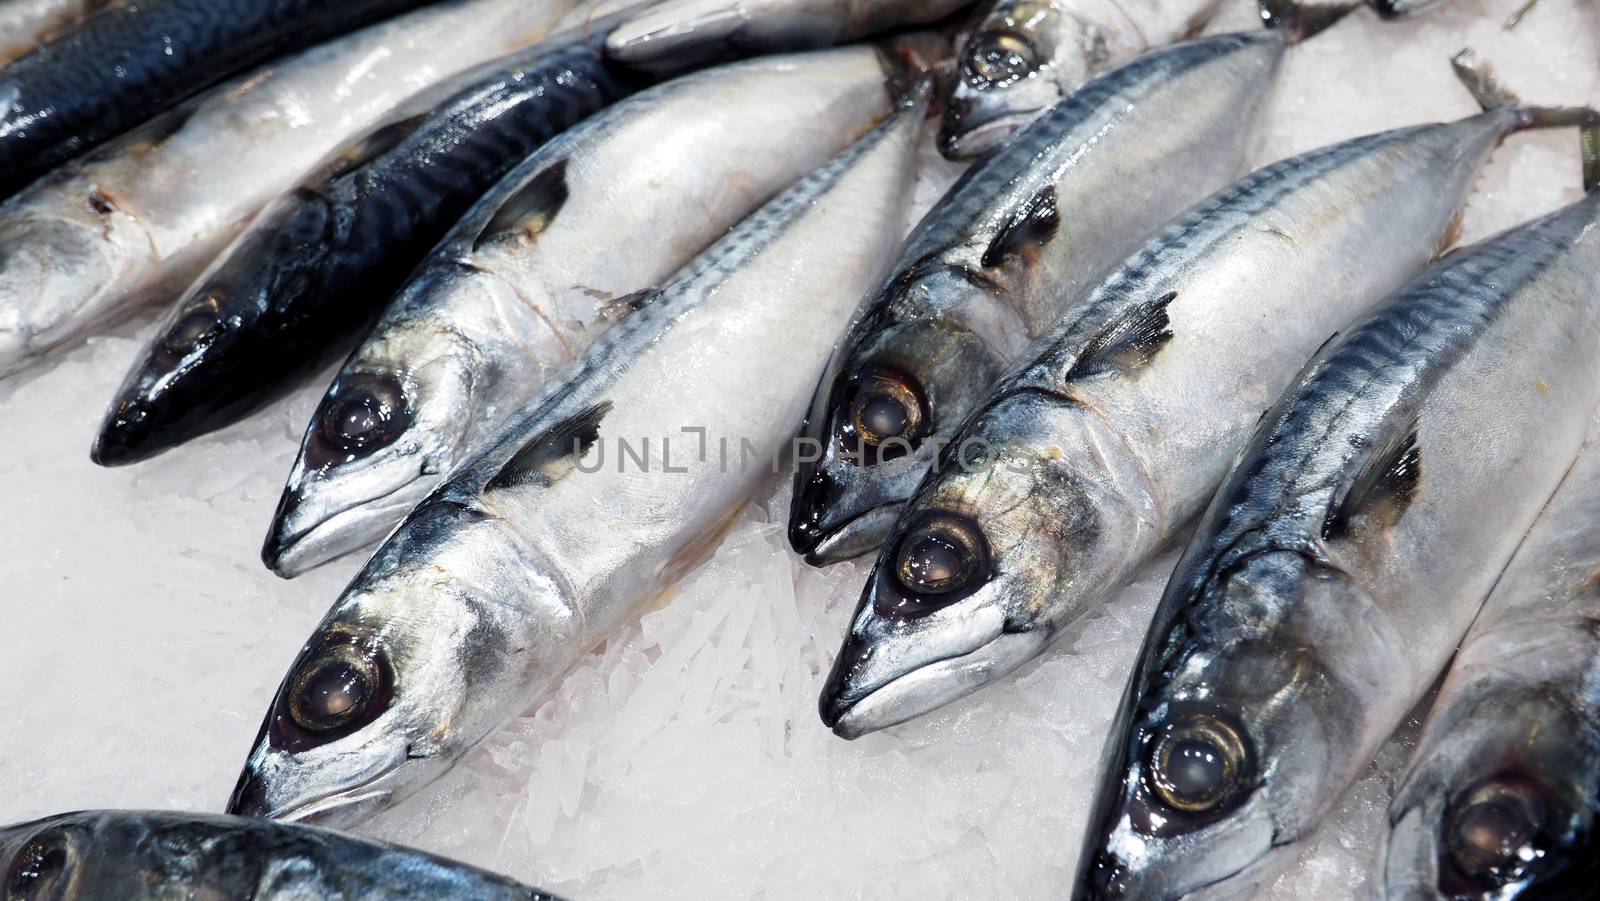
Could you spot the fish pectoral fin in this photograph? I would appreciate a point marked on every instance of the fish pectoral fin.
(618, 307)
(1383, 487)
(1029, 229)
(365, 149)
(1129, 341)
(530, 210)
(554, 453)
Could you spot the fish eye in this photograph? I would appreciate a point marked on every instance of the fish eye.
(1198, 762)
(939, 561)
(886, 416)
(999, 58)
(39, 871)
(197, 327)
(364, 413)
(1498, 831)
(336, 689)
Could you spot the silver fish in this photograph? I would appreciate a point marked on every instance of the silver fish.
(25, 24)
(1027, 54)
(1130, 409)
(531, 274)
(137, 220)
(1018, 239)
(547, 540)
(675, 33)
(1343, 559)
(1501, 800)
(155, 855)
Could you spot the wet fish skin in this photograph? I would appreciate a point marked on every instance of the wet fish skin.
(121, 67)
(544, 542)
(537, 269)
(1025, 55)
(679, 33)
(137, 220)
(1511, 749)
(1344, 558)
(1118, 441)
(990, 267)
(25, 24)
(146, 855)
(319, 264)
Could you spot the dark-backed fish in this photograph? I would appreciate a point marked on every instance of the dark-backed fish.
(157, 855)
(120, 67)
(135, 221)
(319, 264)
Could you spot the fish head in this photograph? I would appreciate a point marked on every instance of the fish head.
(50, 858)
(51, 270)
(891, 397)
(387, 430)
(1023, 57)
(972, 581)
(185, 383)
(1230, 747)
(1500, 800)
(422, 656)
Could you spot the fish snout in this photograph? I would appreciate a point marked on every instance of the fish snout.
(126, 435)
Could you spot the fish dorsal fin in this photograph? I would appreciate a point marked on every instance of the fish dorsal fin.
(1029, 229)
(553, 453)
(367, 148)
(530, 210)
(618, 307)
(1128, 341)
(1383, 487)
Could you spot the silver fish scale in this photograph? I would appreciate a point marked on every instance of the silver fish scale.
(679, 296)
(1032, 157)
(1206, 226)
(1408, 344)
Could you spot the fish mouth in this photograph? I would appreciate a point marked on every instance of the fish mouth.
(853, 712)
(348, 807)
(857, 536)
(291, 552)
(974, 140)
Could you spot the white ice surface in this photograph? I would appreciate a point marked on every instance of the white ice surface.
(140, 638)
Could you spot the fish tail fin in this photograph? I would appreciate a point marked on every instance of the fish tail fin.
(1479, 78)
(1300, 20)
(915, 63)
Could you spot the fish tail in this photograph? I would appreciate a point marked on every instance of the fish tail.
(914, 61)
(1301, 21)
(1479, 78)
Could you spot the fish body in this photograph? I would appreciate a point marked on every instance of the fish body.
(153, 855)
(677, 33)
(621, 475)
(1025, 55)
(25, 24)
(1343, 559)
(611, 208)
(1018, 239)
(1127, 413)
(1501, 798)
(119, 68)
(320, 263)
(138, 219)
